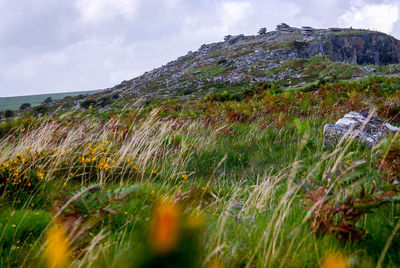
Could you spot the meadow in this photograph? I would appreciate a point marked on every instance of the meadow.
(13, 103)
(237, 179)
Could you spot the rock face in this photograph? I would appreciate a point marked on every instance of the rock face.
(362, 126)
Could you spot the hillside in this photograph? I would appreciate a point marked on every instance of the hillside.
(297, 164)
(289, 56)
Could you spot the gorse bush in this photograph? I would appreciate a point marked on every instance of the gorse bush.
(21, 175)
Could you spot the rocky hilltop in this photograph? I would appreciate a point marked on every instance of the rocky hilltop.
(289, 54)
(289, 57)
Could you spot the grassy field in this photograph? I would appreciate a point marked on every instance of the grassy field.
(13, 103)
(238, 179)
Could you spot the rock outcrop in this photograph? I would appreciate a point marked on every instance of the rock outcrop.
(362, 126)
(258, 58)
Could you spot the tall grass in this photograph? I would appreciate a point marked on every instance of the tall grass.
(250, 186)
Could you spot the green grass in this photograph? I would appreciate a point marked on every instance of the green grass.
(13, 103)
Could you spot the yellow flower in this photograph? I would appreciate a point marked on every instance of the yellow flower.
(135, 168)
(184, 176)
(216, 264)
(13, 225)
(106, 166)
(57, 251)
(40, 175)
(153, 171)
(165, 228)
(335, 260)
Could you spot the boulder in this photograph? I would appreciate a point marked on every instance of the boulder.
(363, 126)
(231, 39)
(262, 31)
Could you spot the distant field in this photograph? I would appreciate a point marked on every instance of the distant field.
(13, 103)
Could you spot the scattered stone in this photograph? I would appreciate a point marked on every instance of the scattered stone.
(306, 30)
(335, 30)
(369, 70)
(360, 125)
(284, 28)
(227, 38)
(231, 39)
(262, 31)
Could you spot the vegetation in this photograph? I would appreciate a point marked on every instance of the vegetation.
(239, 178)
(14, 103)
(25, 106)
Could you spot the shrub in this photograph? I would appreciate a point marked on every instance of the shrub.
(105, 101)
(47, 100)
(8, 113)
(20, 175)
(41, 109)
(87, 103)
(25, 106)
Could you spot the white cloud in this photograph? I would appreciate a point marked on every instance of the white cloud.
(171, 3)
(32, 66)
(232, 13)
(98, 11)
(381, 17)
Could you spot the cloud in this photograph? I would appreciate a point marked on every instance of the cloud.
(381, 17)
(99, 11)
(67, 45)
(232, 13)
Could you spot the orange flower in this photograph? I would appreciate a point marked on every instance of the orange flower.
(165, 228)
(335, 260)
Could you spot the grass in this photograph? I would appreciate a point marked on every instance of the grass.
(220, 181)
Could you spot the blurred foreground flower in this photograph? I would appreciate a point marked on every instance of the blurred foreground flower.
(216, 264)
(335, 260)
(57, 251)
(165, 229)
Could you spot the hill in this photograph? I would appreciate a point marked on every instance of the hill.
(289, 56)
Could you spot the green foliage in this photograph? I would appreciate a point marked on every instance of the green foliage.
(47, 100)
(41, 109)
(87, 103)
(8, 113)
(19, 233)
(25, 106)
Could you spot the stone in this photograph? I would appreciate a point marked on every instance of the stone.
(231, 39)
(306, 30)
(362, 126)
(262, 31)
(285, 28)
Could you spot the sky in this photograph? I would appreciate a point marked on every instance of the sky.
(50, 46)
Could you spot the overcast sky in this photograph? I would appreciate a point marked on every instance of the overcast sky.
(72, 45)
